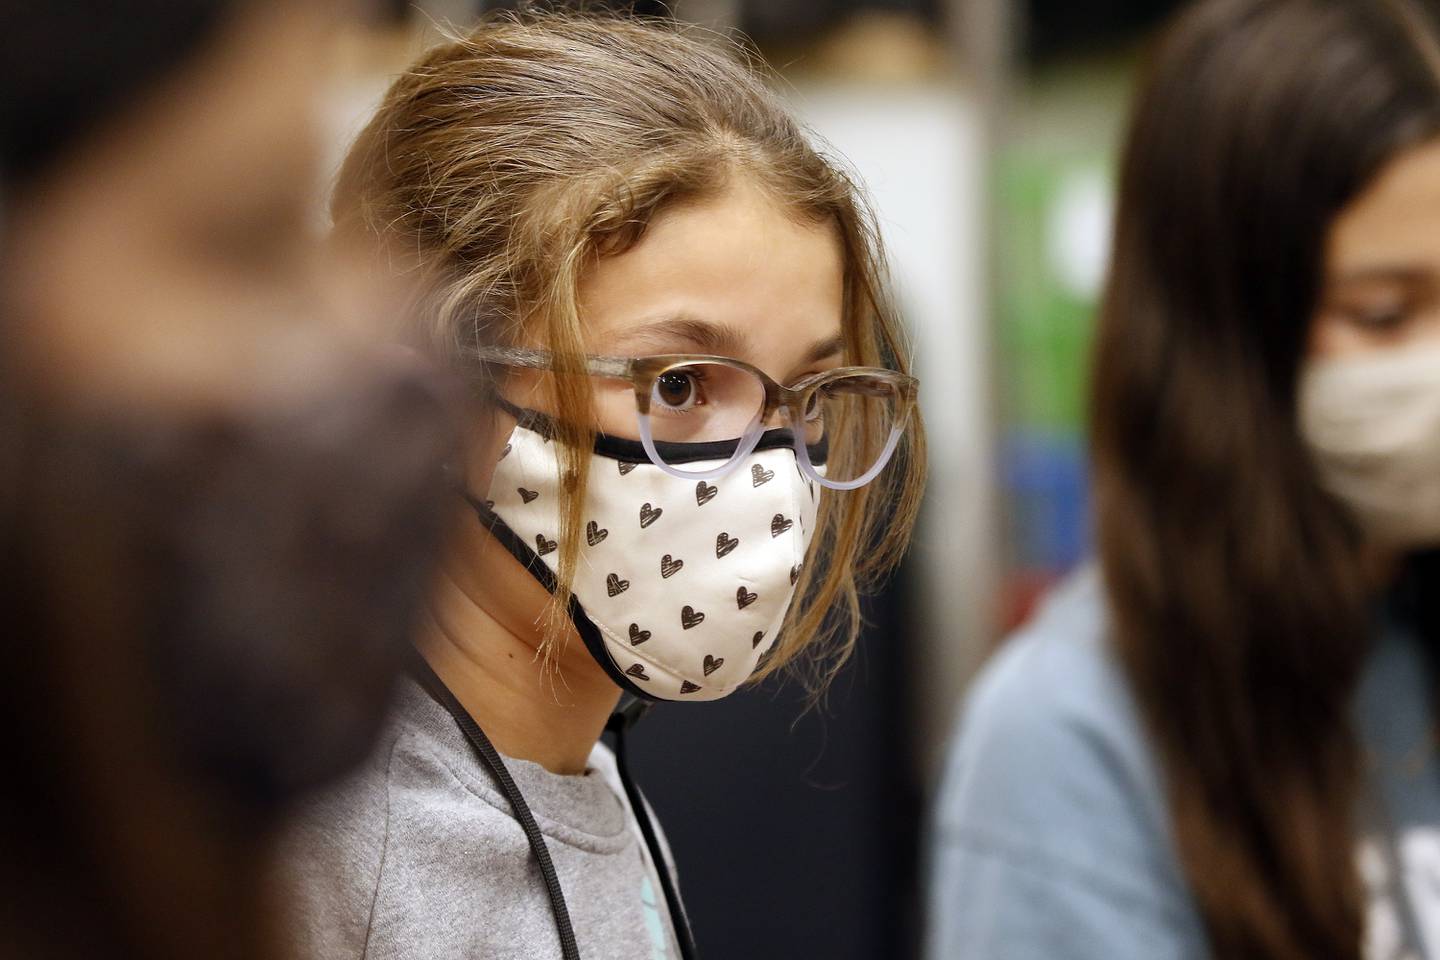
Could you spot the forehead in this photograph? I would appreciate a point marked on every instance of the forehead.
(738, 260)
(1397, 219)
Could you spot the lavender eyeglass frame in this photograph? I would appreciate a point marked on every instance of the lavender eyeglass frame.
(642, 373)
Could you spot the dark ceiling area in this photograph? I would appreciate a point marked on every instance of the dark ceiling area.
(1065, 28)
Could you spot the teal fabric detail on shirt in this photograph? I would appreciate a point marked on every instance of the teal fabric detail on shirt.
(653, 923)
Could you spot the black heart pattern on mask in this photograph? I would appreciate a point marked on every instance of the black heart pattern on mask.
(779, 524)
(755, 640)
(724, 544)
(649, 515)
(526, 495)
(687, 687)
(625, 468)
(615, 586)
(543, 546)
(669, 567)
(704, 493)
(743, 598)
(638, 672)
(690, 617)
(795, 573)
(759, 475)
(594, 533)
(712, 664)
(638, 636)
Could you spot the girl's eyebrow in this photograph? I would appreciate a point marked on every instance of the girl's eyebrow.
(1382, 273)
(825, 349)
(682, 333)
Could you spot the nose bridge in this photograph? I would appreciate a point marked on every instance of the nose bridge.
(782, 416)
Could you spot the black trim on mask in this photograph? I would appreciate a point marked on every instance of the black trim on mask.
(633, 451)
(589, 633)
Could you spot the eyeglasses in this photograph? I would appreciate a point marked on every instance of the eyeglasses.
(692, 411)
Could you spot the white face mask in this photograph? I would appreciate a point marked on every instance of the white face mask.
(1373, 426)
(681, 585)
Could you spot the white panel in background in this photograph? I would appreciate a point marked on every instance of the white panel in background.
(920, 153)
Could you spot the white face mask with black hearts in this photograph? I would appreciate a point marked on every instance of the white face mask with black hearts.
(681, 585)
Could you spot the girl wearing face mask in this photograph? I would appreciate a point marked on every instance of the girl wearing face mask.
(1220, 741)
(697, 441)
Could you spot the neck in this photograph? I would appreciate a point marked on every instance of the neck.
(550, 711)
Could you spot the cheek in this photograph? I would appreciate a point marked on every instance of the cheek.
(484, 444)
(615, 409)
(1332, 336)
(613, 400)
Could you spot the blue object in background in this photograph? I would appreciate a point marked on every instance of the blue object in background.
(1047, 480)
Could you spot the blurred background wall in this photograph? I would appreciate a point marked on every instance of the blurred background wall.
(986, 132)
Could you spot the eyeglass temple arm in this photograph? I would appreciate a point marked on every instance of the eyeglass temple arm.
(619, 367)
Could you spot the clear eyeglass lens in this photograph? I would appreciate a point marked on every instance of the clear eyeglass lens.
(854, 416)
(703, 403)
(847, 421)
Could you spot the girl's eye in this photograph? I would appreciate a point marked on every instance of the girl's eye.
(1380, 319)
(814, 407)
(677, 390)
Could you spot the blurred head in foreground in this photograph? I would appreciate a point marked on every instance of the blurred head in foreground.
(209, 571)
(1267, 432)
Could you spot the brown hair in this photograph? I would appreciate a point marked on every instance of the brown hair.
(1239, 605)
(513, 158)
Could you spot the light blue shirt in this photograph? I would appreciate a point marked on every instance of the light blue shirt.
(1051, 840)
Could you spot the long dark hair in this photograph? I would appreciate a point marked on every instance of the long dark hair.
(1240, 609)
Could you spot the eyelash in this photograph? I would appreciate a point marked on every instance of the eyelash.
(1387, 319)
